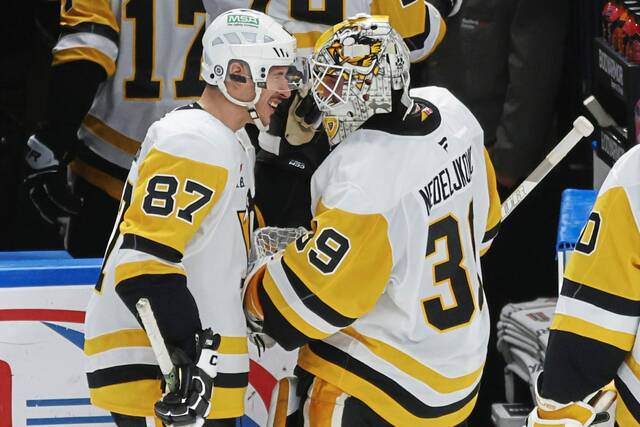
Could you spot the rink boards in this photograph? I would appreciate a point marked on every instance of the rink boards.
(43, 296)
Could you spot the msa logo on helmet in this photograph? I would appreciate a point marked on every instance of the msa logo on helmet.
(252, 21)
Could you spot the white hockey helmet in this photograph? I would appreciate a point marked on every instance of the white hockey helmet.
(355, 66)
(256, 40)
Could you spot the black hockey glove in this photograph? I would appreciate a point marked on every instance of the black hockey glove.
(47, 183)
(295, 122)
(192, 399)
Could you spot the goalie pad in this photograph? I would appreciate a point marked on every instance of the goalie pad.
(592, 410)
(284, 402)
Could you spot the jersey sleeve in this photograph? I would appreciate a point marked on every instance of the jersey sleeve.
(419, 23)
(88, 32)
(326, 279)
(495, 207)
(598, 309)
(168, 204)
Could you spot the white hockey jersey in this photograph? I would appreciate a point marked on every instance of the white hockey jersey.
(151, 52)
(184, 217)
(597, 323)
(386, 291)
(418, 22)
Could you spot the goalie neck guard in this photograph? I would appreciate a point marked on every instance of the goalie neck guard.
(355, 67)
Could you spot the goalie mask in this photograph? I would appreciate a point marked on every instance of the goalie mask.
(260, 43)
(354, 69)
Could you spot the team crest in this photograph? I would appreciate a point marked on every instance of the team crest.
(330, 126)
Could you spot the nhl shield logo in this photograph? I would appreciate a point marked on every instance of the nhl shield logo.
(330, 126)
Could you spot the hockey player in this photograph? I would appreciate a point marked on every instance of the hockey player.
(180, 237)
(117, 67)
(594, 333)
(384, 296)
(288, 159)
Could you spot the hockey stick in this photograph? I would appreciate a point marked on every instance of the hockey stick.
(603, 118)
(581, 129)
(143, 306)
(157, 343)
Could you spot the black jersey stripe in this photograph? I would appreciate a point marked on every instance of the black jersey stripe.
(148, 246)
(92, 159)
(235, 380)
(628, 398)
(277, 326)
(91, 27)
(491, 233)
(563, 366)
(122, 374)
(134, 372)
(394, 390)
(313, 302)
(601, 299)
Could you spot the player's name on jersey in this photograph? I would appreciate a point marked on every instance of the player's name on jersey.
(448, 181)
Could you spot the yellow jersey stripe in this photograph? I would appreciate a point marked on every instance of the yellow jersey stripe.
(110, 185)
(133, 269)
(233, 345)
(408, 21)
(612, 266)
(622, 340)
(226, 403)
(386, 404)
(624, 417)
(288, 312)
(89, 11)
(572, 412)
(413, 368)
(169, 229)
(322, 403)
(84, 53)
(142, 392)
(362, 234)
(282, 405)
(633, 365)
(381, 402)
(306, 40)
(110, 135)
(118, 339)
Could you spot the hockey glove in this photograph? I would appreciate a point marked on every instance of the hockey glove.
(590, 411)
(295, 122)
(191, 402)
(253, 308)
(47, 183)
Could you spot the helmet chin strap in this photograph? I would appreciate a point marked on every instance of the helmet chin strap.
(249, 105)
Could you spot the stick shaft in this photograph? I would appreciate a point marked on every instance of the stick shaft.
(549, 162)
(157, 342)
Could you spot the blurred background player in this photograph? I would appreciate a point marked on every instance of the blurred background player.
(287, 161)
(594, 334)
(181, 237)
(387, 285)
(117, 67)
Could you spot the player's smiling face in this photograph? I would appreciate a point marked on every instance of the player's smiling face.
(277, 90)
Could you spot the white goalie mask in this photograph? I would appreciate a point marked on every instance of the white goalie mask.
(355, 66)
(259, 42)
